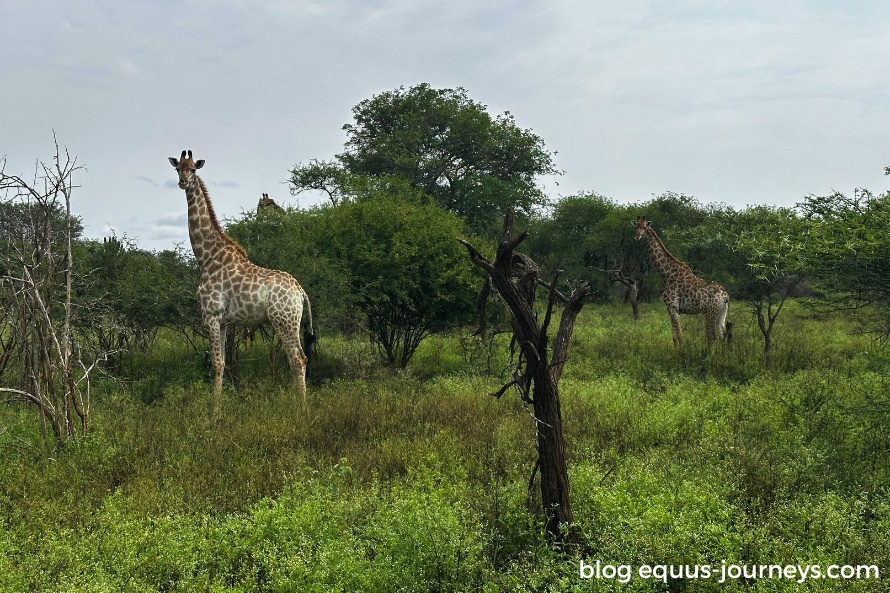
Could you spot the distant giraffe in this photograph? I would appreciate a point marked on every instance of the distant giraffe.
(232, 290)
(267, 202)
(684, 292)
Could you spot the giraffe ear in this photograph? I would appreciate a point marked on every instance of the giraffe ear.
(174, 161)
(199, 163)
(633, 223)
(648, 224)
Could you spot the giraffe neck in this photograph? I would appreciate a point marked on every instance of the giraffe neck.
(667, 265)
(206, 234)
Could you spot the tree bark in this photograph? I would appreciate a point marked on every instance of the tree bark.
(515, 277)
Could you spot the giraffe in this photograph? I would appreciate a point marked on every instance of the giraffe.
(684, 292)
(267, 202)
(232, 290)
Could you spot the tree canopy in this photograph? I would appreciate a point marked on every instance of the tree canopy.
(844, 247)
(444, 144)
(407, 273)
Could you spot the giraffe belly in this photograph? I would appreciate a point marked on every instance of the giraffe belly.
(689, 309)
(241, 312)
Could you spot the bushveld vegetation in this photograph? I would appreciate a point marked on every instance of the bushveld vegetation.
(402, 473)
(417, 480)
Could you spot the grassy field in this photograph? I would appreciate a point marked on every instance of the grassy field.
(418, 481)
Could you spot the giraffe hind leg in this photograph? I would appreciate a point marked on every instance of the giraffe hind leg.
(290, 338)
(710, 329)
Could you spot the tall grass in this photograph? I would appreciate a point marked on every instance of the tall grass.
(417, 480)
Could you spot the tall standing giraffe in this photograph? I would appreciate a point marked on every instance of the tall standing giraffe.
(684, 292)
(232, 290)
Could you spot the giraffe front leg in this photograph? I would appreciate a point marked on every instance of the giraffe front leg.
(216, 335)
(676, 329)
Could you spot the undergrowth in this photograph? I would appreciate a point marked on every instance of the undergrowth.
(417, 480)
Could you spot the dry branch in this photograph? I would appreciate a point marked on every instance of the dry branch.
(36, 292)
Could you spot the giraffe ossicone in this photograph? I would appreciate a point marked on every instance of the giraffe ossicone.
(684, 292)
(232, 290)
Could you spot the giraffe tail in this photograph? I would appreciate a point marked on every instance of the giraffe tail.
(309, 338)
(724, 328)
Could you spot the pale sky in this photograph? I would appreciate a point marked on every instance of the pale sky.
(755, 102)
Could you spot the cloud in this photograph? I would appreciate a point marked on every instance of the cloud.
(226, 184)
(166, 234)
(735, 102)
(171, 226)
(128, 66)
(175, 219)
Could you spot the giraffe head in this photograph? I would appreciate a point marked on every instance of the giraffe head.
(641, 225)
(186, 167)
(268, 203)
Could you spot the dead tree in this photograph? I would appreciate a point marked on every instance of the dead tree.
(522, 267)
(537, 375)
(616, 276)
(36, 285)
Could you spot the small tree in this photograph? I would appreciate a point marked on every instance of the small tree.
(37, 237)
(516, 278)
(632, 286)
(575, 239)
(754, 252)
(126, 295)
(406, 274)
(768, 241)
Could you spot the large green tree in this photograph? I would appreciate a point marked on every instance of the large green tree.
(444, 144)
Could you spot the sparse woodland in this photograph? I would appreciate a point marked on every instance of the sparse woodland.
(403, 473)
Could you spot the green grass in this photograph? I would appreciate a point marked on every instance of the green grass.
(417, 480)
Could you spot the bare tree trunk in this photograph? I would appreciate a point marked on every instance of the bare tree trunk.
(535, 373)
(767, 308)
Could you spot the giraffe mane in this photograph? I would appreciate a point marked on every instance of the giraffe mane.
(215, 221)
(665, 249)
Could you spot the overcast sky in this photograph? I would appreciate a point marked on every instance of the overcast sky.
(754, 102)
